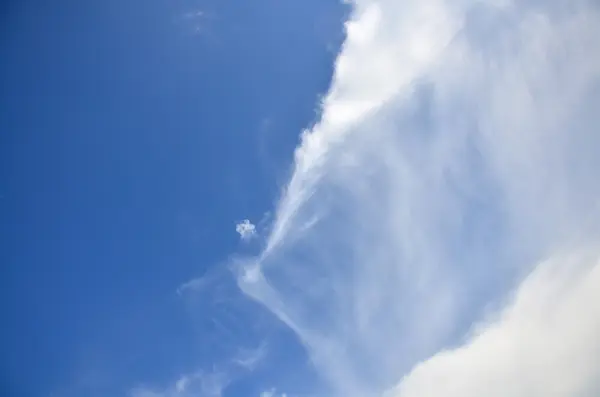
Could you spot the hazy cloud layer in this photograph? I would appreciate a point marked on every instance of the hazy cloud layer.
(455, 162)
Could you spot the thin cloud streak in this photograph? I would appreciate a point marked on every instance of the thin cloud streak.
(199, 383)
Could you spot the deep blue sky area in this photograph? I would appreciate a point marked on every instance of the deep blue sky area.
(133, 136)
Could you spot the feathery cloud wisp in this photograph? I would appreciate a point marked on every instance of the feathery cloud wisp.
(194, 384)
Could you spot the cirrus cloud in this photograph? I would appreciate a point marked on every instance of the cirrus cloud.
(457, 153)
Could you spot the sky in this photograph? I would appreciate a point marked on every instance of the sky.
(300, 199)
(134, 137)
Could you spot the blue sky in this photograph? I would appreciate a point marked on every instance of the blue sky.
(135, 135)
(300, 199)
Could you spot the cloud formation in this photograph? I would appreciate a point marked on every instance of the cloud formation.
(250, 358)
(456, 161)
(544, 344)
(199, 383)
(245, 229)
(272, 393)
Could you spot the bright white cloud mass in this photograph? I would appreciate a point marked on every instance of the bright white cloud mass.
(439, 235)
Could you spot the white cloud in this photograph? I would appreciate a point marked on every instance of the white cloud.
(194, 14)
(245, 229)
(195, 284)
(545, 344)
(200, 383)
(141, 392)
(250, 358)
(457, 147)
(182, 384)
(272, 393)
(209, 383)
(198, 21)
(268, 393)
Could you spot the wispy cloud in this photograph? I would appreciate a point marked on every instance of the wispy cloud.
(194, 14)
(268, 393)
(230, 349)
(250, 358)
(457, 148)
(199, 21)
(192, 285)
(200, 383)
(272, 393)
(209, 382)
